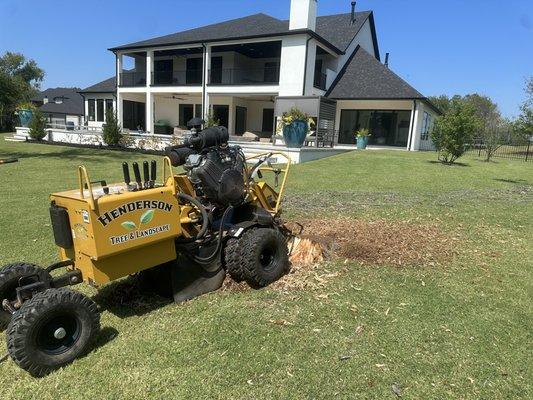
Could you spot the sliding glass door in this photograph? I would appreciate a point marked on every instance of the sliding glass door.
(387, 128)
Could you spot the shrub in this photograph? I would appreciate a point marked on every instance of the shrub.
(453, 131)
(211, 121)
(37, 125)
(112, 132)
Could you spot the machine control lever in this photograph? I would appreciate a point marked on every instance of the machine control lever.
(137, 174)
(146, 173)
(153, 175)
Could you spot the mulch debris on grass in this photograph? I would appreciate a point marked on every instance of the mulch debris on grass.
(372, 243)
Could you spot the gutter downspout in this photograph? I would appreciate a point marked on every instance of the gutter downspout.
(412, 127)
(204, 83)
(305, 68)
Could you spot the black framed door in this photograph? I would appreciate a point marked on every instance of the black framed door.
(221, 113)
(268, 120)
(163, 72)
(240, 120)
(194, 71)
(186, 112)
(216, 70)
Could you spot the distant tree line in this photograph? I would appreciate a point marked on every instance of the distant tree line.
(477, 117)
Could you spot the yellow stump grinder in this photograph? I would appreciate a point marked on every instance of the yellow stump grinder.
(179, 235)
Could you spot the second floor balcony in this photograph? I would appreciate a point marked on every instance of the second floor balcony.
(268, 75)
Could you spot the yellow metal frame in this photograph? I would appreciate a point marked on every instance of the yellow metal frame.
(83, 176)
(284, 171)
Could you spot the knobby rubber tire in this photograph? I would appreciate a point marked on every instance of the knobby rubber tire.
(23, 331)
(9, 281)
(232, 259)
(253, 244)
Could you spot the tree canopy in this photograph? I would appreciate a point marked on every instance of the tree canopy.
(20, 79)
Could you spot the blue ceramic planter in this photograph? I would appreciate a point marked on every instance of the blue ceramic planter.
(362, 141)
(24, 117)
(294, 134)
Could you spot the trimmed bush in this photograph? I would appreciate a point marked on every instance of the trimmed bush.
(112, 131)
(37, 125)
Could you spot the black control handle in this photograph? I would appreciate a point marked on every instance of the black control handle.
(146, 173)
(126, 170)
(137, 174)
(153, 177)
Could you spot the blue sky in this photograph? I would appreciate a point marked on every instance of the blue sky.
(446, 46)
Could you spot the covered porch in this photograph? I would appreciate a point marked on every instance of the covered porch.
(251, 116)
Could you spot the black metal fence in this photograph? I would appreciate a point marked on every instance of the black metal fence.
(512, 148)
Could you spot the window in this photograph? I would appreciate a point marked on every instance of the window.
(426, 126)
(92, 109)
(387, 128)
(198, 111)
(186, 113)
(108, 106)
(100, 110)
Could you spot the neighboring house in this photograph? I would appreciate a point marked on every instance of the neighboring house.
(61, 106)
(97, 99)
(247, 71)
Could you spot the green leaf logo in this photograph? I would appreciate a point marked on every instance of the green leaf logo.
(147, 217)
(128, 225)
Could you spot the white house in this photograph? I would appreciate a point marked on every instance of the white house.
(247, 71)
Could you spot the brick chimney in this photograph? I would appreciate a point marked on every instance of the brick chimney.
(303, 14)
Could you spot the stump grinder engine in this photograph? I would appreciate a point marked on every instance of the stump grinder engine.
(179, 236)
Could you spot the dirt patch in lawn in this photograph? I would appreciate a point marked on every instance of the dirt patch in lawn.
(372, 243)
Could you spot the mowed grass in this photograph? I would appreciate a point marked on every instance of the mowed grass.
(459, 330)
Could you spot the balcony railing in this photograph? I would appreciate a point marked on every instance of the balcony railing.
(132, 79)
(244, 76)
(320, 80)
(190, 77)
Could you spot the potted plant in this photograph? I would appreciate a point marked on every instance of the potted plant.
(295, 126)
(24, 112)
(362, 136)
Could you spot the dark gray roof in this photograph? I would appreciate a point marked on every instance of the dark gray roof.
(364, 77)
(107, 86)
(335, 30)
(72, 101)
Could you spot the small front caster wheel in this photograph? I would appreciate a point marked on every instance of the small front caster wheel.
(51, 330)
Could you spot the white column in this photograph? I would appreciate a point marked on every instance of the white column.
(118, 108)
(205, 81)
(149, 112)
(149, 66)
(415, 137)
(119, 67)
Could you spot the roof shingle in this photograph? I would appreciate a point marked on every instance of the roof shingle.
(364, 77)
(106, 86)
(337, 30)
(72, 101)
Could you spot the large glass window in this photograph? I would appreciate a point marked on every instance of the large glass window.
(92, 109)
(387, 128)
(100, 110)
(186, 113)
(426, 126)
(108, 106)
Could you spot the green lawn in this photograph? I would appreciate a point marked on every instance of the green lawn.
(459, 330)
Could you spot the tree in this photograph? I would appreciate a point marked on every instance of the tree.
(19, 81)
(454, 130)
(37, 125)
(523, 125)
(493, 127)
(112, 131)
